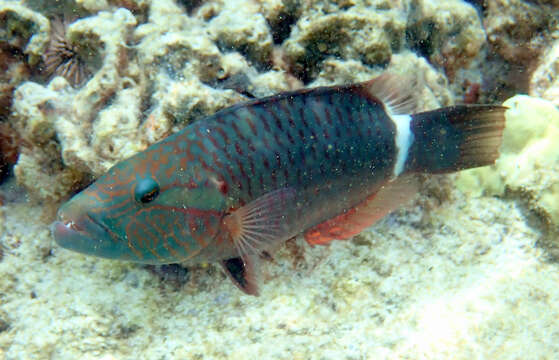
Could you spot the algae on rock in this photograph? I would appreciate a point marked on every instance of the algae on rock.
(245, 30)
(449, 33)
(362, 34)
(24, 29)
(23, 37)
(517, 29)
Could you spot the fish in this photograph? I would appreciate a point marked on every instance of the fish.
(323, 163)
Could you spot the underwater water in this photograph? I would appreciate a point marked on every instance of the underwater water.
(466, 268)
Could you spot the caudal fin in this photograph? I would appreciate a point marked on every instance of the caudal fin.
(456, 138)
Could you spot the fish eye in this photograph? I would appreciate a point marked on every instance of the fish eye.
(146, 190)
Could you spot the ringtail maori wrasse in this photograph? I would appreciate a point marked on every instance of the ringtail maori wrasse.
(324, 163)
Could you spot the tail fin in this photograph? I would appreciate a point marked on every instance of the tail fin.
(456, 138)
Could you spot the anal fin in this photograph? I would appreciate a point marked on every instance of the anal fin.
(366, 213)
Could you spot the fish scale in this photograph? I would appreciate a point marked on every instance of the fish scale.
(324, 163)
(353, 156)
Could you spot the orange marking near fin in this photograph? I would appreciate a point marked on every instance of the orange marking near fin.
(364, 214)
(341, 227)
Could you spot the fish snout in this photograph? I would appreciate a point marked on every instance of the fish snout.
(77, 230)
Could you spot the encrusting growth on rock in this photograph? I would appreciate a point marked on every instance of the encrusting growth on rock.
(62, 57)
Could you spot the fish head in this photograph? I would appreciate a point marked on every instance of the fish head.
(148, 209)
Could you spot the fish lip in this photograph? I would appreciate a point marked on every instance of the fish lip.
(74, 226)
(65, 227)
(70, 225)
(66, 233)
(98, 223)
(77, 233)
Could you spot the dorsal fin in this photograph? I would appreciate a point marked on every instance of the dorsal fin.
(397, 92)
(364, 214)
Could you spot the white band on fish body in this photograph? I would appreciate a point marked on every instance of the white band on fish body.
(404, 139)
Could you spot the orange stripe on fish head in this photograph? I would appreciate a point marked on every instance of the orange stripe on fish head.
(147, 209)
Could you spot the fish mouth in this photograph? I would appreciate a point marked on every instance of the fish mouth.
(67, 226)
(84, 234)
(66, 229)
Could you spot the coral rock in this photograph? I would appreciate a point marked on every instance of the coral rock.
(516, 29)
(358, 33)
(244, 30)
(23, 36)
(449, 33)
(23, 28)
(545, 79)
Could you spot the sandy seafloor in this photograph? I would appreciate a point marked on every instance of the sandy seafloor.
(468, 284)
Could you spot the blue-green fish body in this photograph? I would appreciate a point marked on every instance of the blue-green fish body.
(325, 163)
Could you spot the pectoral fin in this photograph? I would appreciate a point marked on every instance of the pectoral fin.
(242, 273)
(256, 228)
(261, 224)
